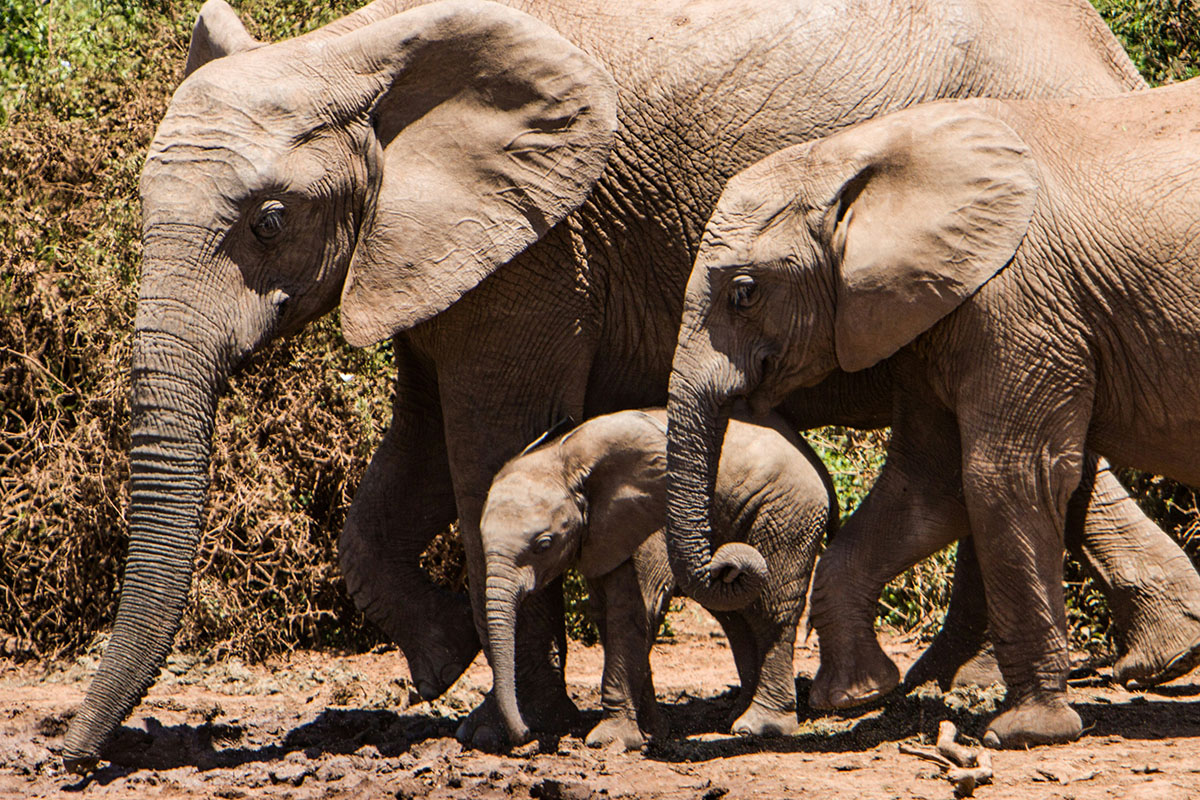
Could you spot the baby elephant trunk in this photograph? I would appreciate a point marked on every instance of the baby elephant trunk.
(505, 591)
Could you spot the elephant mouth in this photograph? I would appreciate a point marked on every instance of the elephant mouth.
(761, 403)
(766, 394)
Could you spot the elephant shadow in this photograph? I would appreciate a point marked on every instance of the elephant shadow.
(893, 720)
(1151, 716)
(900, 717)
(209, 745)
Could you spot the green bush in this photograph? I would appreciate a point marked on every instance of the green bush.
(1161, 36)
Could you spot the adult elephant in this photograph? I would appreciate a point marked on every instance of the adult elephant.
(394, 159)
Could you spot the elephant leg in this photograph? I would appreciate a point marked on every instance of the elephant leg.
(960, 654)
(630, 604)
(477, 451)
(744, 650)
(405, 499)
(513, 358)
(1152, 587)
(657, 585)
(913, 511)
(771, 710)
(1017, 482)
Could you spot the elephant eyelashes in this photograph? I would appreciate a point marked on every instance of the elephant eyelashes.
(543, 543)
(268, 223)
(743, 292)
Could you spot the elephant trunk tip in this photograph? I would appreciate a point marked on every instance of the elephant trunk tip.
(80, 765)
(518, 733)
(737, 575)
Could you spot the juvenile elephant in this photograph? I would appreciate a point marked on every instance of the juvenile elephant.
(1032, 270)
(596, 499)
(389, 164)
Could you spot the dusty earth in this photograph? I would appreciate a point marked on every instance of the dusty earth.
(322, 726)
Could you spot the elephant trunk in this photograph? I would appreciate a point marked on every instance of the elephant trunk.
(183, 353)
(698, 414)
(504, 593)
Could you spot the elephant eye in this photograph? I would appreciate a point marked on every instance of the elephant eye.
(268, 222)
(543, 543)
(743, 292)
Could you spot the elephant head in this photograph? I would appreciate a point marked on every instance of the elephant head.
(589, 498)
(390, 161)
(831, 255)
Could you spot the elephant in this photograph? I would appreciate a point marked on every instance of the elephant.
(595, 499)
(1028, 269)
(389, 163)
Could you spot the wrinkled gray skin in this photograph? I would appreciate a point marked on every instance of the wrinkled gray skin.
(595, 499)
(391, 161)
(1031, 270)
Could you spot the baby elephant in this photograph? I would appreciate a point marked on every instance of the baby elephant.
(1031, 270)
(595, 499)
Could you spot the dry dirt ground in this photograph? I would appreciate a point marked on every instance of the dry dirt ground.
(322, 726)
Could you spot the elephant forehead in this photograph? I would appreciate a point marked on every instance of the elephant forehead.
(747, 242)
(234, 126)
(525, 500)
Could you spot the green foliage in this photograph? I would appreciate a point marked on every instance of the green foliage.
(272, 20)
(853, 458)
(917, 600)
(1161, 36)
(580, 626)
(24, 34)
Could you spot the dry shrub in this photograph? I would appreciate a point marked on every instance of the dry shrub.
(292, 438)
(68, 251)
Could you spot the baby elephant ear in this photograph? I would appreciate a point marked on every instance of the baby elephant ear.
(218, 33)
(930, 203)
(493, 126)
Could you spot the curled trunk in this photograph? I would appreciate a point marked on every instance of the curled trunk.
(174, 399)
(504, 595)
(732, 577)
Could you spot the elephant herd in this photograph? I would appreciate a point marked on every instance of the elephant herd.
(526, 196)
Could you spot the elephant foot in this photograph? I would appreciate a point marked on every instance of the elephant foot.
(862, 677)
(438, 655)
(1150, 661)
(952, 651)
(620, 730)
(80, 766)
(1044, 719)
(758, 720)
(484, 728)
(954, 665)
(551, 712)
(981, 669)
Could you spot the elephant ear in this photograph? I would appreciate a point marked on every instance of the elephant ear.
(621, 462)
(493, 128)
(923, 207)
(218, 32)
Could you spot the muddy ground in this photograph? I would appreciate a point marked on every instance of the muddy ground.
(323, 726)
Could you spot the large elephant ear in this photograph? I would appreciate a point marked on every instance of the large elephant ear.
(922, 208)
(493, 128)
(218, 32)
